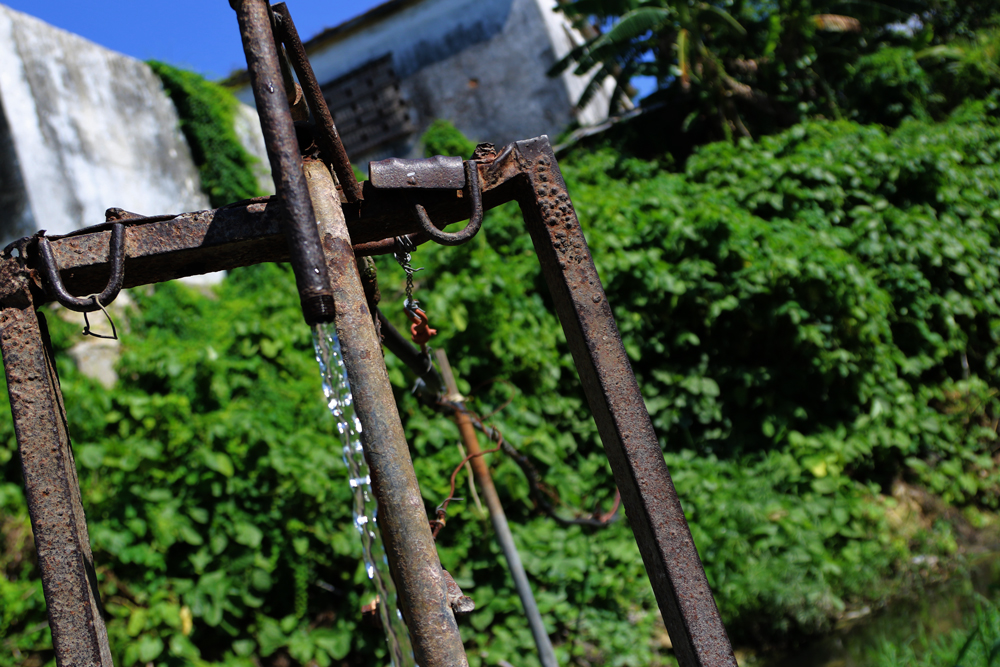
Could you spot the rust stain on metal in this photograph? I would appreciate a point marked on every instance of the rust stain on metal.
(413, 558)
(161, 248)
(327, 136)
(654, 510)
(69, 581)
(264, 67)
(434, 173)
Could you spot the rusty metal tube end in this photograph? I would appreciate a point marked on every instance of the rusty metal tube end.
(284, 153)
(318, 309)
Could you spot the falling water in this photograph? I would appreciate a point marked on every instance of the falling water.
(341, 404)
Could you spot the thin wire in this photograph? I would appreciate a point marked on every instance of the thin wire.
(87, 331)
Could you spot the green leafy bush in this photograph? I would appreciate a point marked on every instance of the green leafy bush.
(207, 112)
(968, 647)
(809, 318)
(443, 138)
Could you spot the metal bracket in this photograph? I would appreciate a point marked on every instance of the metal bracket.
(86, 304)
(475, 196)
(432, 173)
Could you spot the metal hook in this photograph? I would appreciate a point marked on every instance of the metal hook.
(475, 196)
(87, 304)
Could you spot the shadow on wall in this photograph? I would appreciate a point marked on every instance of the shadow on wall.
(16, 219)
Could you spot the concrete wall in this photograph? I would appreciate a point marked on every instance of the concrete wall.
(479, 63)
(83, 129)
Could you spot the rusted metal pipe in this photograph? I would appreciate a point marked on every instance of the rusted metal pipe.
(283, 152)
(327, 136)
(52, 490)
(481, 471)
(654, 511)
(413, 558)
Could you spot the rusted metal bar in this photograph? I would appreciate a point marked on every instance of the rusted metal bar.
(327, 137)
(69, 581)
(161, 248)
(413, 558)
(481, 471)
(626, 430)
(432, 173)
(283, 152)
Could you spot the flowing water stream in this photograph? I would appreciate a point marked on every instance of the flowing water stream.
(364, 509)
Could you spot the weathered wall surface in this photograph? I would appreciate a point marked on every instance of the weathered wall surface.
(479, 63)
(83, 129)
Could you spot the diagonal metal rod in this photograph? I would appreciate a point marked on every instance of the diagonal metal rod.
(413, 558)
(546, 654)
(327, 137)
(69, 580)
(636, 458)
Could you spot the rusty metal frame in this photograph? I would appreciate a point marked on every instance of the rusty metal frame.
(52, 490)
(167, 247)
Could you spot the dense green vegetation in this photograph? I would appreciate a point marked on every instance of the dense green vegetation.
(207, 112)
(975, 646)
(811, 317)
(726, 69)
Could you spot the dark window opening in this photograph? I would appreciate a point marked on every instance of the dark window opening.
(374, 117)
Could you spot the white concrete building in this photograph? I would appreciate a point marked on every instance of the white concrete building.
(481, 64)
(83, 129)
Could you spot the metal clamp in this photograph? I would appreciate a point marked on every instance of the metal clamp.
(87, 304)
(475, 196)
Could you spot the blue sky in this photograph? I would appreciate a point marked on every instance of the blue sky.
(201, 35)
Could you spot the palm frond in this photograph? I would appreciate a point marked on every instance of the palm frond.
(595, 83)
(635, 24)
(576, 53)
(724, 15)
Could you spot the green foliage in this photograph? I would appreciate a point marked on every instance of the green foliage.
(443, 138)
(737, 69)
(200, 503)
(797, 313)
(973, 647)
(809, 319)
(207, 112)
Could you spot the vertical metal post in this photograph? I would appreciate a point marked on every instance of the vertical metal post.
(413, 557)
(286, 161)
(626, 430)
(52, 490)
(546, 654)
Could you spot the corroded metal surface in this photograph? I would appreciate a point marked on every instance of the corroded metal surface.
(433, 173)
(286, 161)
(474, 194)
(654, 511)
(413, 558)
(163, 248)
(69, 581)
(327, 135)
(54, 284)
